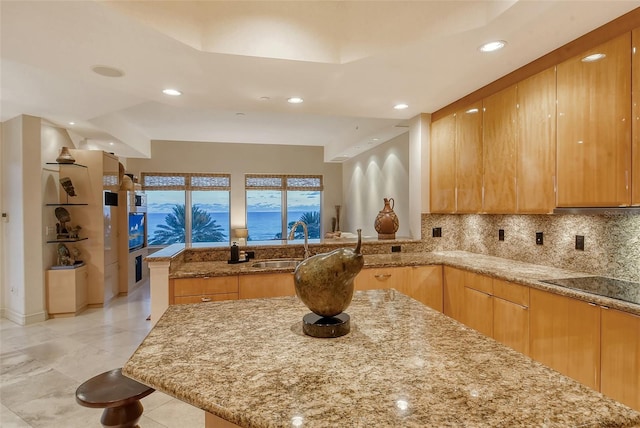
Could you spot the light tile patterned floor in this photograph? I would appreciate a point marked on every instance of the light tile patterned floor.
(42, 364)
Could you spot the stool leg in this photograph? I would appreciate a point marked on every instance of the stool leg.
(123, 416)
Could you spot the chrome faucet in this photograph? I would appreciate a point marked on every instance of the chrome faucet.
(306, 236)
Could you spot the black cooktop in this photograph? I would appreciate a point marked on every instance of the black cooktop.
(614, 288)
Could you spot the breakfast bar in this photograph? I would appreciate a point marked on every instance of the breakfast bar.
(248, 363)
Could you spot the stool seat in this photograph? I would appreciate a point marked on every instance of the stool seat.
(117, 394)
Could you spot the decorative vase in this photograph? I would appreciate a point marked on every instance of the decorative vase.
(387, 223)
(65, 156)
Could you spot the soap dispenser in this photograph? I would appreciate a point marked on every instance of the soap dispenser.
(235, 252)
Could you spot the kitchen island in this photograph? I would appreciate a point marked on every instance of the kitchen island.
(247, 362)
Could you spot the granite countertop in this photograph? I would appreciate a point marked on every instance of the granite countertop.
(402, 364)
(505, 269)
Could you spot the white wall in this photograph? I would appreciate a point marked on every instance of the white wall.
(382, 172)
(240, 159)
(23, 273)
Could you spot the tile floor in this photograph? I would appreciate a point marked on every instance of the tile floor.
(42, 364)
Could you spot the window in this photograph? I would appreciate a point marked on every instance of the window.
(185, 208)
(275, 202)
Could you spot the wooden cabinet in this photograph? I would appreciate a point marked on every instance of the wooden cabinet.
(453, 293)
(425, 285)
(635, 115)
(442, 165)
(196, 290)
(565, 335)
(266, 285)
(499, 151)
(621, 357)
(594, 127)
(536, 143)
(511, 315)
(377, 278)
(468, 165)
(66, 291)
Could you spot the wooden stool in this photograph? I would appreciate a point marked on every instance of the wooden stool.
(117, 394)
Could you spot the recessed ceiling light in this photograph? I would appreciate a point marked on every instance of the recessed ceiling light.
(492, 46)
(265, 98)
(593, 57)
(106, 71)
(295, 100)
(375, 139)
(72, 123)
(401, 106)
(239, 114)
(172, 92)
(111, 143)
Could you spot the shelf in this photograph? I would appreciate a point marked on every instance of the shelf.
(64, 205)
(74, 164)
(51, 241)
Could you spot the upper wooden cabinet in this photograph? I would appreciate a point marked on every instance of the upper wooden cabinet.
(442, 170)
(499, 146)
(468, 154)
(536, 143)
(635, 114)
(594, 127)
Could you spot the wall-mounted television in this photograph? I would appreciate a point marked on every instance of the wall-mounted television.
(137, 230)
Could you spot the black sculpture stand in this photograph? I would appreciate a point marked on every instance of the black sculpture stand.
(326, 327)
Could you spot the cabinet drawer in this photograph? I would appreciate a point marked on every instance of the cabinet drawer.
(511, 292)
(478, 282)
(201, 286)
(377, 278)
(206, 298)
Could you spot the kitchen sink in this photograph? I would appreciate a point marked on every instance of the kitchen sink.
(276, 263)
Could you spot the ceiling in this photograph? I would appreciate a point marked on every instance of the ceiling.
(237, 62)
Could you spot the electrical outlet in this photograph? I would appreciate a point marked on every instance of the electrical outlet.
(500, 234)
(436, 232)
(580, 242)
(396, 248)
(539, 238)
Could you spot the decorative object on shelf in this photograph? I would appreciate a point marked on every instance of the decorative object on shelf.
(68, 258)
(67, 185)
(65, 156)
(333, 224)
(387, 223)
(63, 218)
(324, 283)
(126, 183)
(337, 229)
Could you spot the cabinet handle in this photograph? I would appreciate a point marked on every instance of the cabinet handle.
(382, 276)
(555, 184)
(626, 180)
(604, 307)
(206, 299)
(592, 304)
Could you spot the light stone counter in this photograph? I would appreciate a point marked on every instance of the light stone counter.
(403, 364)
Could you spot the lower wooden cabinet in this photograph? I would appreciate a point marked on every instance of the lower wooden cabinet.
(66, 291)
(266, 285)
(425, 285)
(511, 315)
(196, 290)
(453, 293)
(565, 335)
(621, 357)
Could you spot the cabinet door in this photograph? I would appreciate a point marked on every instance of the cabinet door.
(377, 278)
(442, 185)
(499, 151)
(424, 285)
(635, 123)
(594, 127)
(511, 324)
(536, 143)
(478, 311)
(469, 159)
(266, 285)
(564, 334)
(453, 293)
(621, 357)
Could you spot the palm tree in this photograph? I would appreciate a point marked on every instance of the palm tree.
(203, 227)
(312, 219)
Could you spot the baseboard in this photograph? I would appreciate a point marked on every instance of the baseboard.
(22, 319)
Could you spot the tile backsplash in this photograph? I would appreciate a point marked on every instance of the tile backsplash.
(611, 242)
